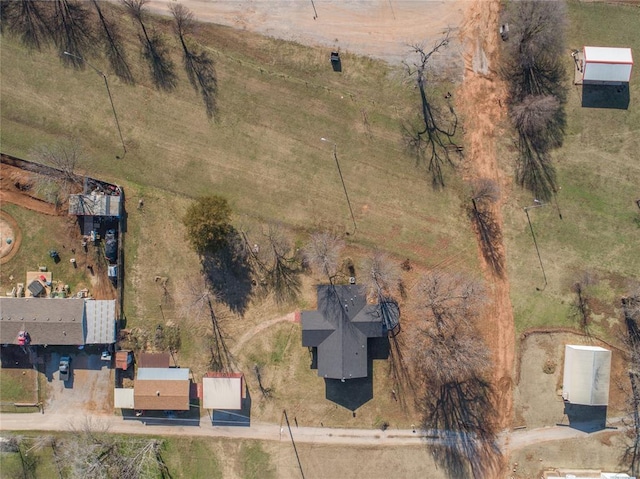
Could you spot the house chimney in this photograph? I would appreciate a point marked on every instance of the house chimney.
(157, 393)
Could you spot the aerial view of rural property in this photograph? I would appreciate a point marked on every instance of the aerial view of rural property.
(319, 239)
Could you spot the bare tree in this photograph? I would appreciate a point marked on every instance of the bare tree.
(532, 60)
(154, 49)
(113, 45)
(72, 31)
(535, 170)
(631, 311)
(485, 193)
(200, 301)
(381, 276)
(535, 73)
(541, 119)
(92, 452)
(198, 65)
(451, 363)
(30, 20)
(580, 306)
(448, 304)
(272, 259)
(323, 253)
(428, 139)
(64, 156)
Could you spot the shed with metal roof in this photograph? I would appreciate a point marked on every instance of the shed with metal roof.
(586, 375)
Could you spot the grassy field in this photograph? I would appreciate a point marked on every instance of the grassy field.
(599, 174)
(276, 100)
(210, 458)
(263, 152)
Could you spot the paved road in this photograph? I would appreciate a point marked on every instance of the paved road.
(271, 432)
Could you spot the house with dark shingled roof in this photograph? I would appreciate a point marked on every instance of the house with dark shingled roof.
(340, 329)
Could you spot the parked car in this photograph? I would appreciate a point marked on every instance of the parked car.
(65, 368)
(111, 246)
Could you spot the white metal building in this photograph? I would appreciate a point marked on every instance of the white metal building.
(586, 375)
(223, 391)
(605, 64)
(587, 475)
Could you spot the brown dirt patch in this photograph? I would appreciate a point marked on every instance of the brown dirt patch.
(480, 101)
(16, 186)
(9, 229)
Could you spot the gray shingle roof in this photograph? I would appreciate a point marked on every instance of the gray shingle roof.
(57, 322)
(50, 321)
(340, 329)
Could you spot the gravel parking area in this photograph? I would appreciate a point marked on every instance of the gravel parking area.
(538, 394)
(89, 388)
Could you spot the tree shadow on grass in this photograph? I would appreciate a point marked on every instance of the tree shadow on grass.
(460, 421)
(488, 230)
(229, 274)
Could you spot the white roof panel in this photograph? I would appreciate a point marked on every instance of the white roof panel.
(100, 315)
(222, 393)
(159, 374)
(123, 398)
(608, 55)
(586, 375)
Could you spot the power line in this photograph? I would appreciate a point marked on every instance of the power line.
(284, 411)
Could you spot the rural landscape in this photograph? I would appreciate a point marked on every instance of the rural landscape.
(319, 239)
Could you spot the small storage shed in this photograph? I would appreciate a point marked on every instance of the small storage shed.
(123, 398)
(605, 64)
(223, 391)
(586, 375)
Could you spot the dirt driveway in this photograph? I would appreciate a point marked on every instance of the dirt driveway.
(377, 28)
(89, 388)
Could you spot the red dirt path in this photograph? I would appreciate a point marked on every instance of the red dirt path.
(480, 100)
(14, 188)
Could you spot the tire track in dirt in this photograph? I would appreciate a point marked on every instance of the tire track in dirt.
(480, 101)
(291, 317)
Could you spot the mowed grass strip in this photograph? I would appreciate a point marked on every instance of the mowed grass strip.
(276, 100)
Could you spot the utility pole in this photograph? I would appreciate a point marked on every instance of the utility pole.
(535, 243)
(106, 84)
(344, 187)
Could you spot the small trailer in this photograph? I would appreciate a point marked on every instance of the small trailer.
(124, 358)
(605, 65)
